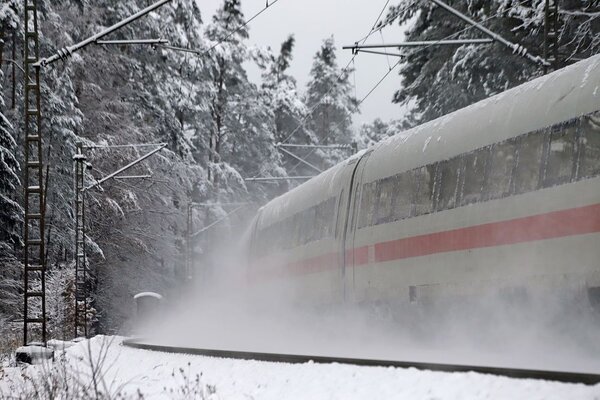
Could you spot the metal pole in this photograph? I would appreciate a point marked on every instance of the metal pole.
(279, 178)
(134, 177)
(188, 242)
(516, 48)
(132, 42)
(551, 34)
(80, 256)
(34, 274)
(216, 222)
(219, 204)
(69, 50)
(452, 42)
(125, 168)
(299, 159)
(122, 146)
(379, 53)
(175, 48)
(316, 146)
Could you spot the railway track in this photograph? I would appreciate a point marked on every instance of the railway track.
(558, 376)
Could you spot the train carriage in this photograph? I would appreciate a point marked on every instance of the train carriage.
(501, 195)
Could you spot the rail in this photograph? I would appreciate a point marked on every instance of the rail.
(558, 376)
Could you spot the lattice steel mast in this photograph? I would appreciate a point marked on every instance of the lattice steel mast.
(34, 279)
(551, 35)
(80, 254)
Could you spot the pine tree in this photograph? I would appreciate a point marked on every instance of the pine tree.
(329, 96)
(64, 122)
(285, 101)
(10, 211)
(176, 80)
(441, 79)
(226, 73)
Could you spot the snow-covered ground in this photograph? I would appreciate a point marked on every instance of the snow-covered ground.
(153, 375)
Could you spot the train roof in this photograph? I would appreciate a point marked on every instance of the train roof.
(542, 102)
(311, 192)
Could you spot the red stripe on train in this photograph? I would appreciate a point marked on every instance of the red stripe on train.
(575, 221)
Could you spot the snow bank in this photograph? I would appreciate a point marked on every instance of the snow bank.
(165, 376)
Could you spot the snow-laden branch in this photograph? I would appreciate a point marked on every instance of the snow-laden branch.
(576, 13)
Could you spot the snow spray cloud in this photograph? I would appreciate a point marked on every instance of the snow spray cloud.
(509, 328)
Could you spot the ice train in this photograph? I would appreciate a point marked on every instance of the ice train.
(503, 195)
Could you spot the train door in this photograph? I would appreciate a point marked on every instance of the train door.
(346, 236)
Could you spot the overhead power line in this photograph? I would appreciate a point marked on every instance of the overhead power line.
(516, 48)
(420, 43)
(200, 52)
(69, 50)
(447, 38)
(122, 146)
(128, 42)
(340, 77)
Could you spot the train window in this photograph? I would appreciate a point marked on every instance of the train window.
(385, 200)
(448, 173)
(424, 177)
(590, 136)
(559, 164)
(527, 173)
(404, 189)
(308, 225)
(475, 164)
(325, 218)
(321, 220)
(502, 162)
(367, 204)
(300, 222)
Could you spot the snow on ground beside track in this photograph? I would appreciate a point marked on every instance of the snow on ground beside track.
(165, 376)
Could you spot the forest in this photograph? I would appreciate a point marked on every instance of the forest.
(220, 127)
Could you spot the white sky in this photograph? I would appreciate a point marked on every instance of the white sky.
(313, 20)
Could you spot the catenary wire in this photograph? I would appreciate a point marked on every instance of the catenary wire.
(400, 60)
(339, 78)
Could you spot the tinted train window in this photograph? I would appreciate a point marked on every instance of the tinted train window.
(296, 233)
(531, 149)
(405, 188)
(386, 189)
(424, 177)
(448, 173)
(589, 164)
(559, 164)
(367, 205)
(325, 218)
(502, 162)
(475, 164)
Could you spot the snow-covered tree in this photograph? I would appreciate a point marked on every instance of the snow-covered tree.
(226, 73)
(441, 79)
(285, 101)
(64, 122)
(176, 80)
(371, 133)
(329, 96)
(10, 211)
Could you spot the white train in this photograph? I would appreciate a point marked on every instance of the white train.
(501, 196)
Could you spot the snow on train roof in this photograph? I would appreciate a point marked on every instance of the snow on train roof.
(545, 101)
(542, 102)
(309, 193)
